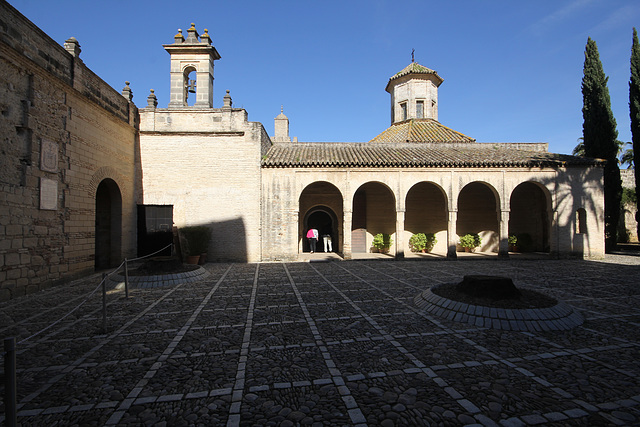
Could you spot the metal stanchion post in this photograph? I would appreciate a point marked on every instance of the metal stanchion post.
(104, 303)
(126, 279)
(10, 387)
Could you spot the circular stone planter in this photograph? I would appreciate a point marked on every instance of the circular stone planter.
(560, 317)
(158, 280)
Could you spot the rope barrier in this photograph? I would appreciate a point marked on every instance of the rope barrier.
(90, 295)
(66, 315)
(147, 256)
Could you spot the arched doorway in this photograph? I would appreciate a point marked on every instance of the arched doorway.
(323, 219)
(320, 206)
(374, 211)
(478, 213)
(426, 212)
(529, 218)
(108, 224)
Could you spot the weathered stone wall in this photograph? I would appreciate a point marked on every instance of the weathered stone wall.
(59, 143)
(211, 177)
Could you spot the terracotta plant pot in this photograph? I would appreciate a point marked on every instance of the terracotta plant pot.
(203, 259)
(193, 259)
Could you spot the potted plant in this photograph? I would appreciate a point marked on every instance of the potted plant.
(431, 241)
(470, 242)
(197, 239)
(513, 243)
(382, 242)
(421, 242)
(418, 242)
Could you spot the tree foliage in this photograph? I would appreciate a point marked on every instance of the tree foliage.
(634, 107)
(600, 136)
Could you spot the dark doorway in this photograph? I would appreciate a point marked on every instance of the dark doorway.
(155, 229)
(108, 225)
(322, 219)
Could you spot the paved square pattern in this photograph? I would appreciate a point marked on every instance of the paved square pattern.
(328, 343)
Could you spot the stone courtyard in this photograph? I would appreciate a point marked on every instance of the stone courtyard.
(328, 343)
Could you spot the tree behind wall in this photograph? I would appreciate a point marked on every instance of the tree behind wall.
(634, 111)
(600, 135)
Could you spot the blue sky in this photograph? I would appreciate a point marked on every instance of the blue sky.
(512, 69)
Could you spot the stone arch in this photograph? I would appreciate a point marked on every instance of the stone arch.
(479, 212)
(111, 173)
(426, 212)
(529, 217)
(324, 200)
(108, 224)
(373, 212)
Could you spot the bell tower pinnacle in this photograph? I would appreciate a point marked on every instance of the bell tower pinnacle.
(414, 93)
(192, 69)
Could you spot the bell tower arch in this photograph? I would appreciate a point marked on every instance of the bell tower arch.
(192, 69)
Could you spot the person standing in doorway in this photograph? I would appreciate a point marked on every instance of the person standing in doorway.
(326, 238)
(312, 235)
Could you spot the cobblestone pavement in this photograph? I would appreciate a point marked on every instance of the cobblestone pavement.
(332, 343)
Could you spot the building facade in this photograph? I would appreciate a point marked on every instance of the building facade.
(88, 179)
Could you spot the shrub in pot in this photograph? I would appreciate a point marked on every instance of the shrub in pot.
(470, 241)
(382, 242)
(421, 242)
(197, 239)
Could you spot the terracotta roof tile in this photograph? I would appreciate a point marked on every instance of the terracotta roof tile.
(415, 68)
(421, 131)
(329, 154)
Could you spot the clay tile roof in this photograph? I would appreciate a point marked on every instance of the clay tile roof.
(421, 131)
(328, 154)
(415, 68)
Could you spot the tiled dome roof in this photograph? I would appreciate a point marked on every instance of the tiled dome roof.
(421, 131)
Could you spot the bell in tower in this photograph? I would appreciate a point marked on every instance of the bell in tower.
(192, 57)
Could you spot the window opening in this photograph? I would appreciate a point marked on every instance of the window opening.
(403, 106)
(420, 109)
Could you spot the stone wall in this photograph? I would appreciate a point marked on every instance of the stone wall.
(63, 131)
(211, 176)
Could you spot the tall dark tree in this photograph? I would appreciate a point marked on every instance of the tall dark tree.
(600, 136)
(634, 112)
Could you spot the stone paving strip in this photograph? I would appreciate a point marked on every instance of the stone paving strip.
(334, 343)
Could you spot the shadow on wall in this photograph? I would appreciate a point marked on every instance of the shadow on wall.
(567, 197)
(228, 241)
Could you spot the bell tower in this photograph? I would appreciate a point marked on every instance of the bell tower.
(192, 69)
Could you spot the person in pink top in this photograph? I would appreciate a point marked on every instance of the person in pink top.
(312, 235)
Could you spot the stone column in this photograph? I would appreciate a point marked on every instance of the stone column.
(452, 236)
(503, 235)
(554, 243)
(400, 234)
(204, 89)
(346, 235)
(295, 242)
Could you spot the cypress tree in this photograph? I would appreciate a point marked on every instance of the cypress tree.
(600, 135)
(634, 112)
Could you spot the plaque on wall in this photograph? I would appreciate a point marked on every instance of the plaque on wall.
(48, 194)
(48, 155)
